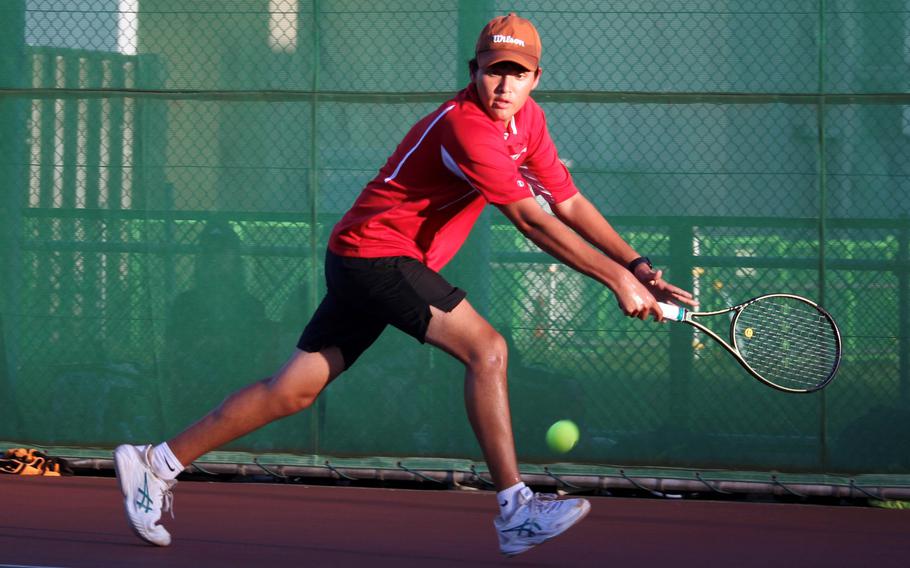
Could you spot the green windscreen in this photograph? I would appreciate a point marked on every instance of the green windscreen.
(170, 172)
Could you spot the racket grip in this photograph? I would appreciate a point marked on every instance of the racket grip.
(671, 312)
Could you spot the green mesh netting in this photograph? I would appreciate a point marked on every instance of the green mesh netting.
(170, 171)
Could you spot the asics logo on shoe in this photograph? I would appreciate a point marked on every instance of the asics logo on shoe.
(528, 528)
(146, 502)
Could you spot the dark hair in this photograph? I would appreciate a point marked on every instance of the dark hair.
(473, 66)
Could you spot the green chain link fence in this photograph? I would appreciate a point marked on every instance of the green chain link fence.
(171, 170)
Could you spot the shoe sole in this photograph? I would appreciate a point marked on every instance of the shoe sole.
(127, 491)
(586, 509)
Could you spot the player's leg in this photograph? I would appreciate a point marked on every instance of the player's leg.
(526, 519)
(420, 302)
(340, 330)
(289, 391)
(467, 336)
(147, 475)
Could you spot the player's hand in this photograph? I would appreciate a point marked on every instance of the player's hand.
(660, 288)
(635, 300)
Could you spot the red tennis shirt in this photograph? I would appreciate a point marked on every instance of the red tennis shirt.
(428, 195)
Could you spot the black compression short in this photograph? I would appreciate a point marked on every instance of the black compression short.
(363, 295)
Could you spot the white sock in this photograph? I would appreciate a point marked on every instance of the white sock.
(164, 463)
(508, 498)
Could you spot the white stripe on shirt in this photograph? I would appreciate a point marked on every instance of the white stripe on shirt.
(453, 167)
(411, 151)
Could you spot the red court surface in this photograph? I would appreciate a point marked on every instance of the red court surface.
(78, 522)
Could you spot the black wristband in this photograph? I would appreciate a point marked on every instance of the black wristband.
(640, 260)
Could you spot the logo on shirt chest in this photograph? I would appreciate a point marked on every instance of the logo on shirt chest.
(518, 155)
(516, 146)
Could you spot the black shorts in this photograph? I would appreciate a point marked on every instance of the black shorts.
(363, 295)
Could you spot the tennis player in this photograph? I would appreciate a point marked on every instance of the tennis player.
(489, 144)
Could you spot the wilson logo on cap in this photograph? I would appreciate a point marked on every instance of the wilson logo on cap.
(508, 39)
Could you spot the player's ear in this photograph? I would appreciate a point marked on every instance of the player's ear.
(537, 77)
(472, 67)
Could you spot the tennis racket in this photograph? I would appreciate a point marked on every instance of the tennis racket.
(785, 341)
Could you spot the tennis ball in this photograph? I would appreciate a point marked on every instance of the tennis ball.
(718, 284)
(562, 436)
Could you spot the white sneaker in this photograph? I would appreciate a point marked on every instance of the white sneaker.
(144, 494)
(537, 519)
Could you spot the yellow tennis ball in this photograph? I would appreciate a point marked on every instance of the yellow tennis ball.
(562, 436)
(749, 333)
(718, 284)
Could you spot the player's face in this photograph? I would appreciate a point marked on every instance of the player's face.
(504, 87)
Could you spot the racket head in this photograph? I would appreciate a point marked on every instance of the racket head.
(786, 341)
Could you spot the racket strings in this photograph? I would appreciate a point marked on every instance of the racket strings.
(788, 342)
(787, 346)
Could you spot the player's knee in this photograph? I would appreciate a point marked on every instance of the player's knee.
(297, 402)
(292, 402)
(286, 398)
(490, 354)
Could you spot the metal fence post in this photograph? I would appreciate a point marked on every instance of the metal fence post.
(12, 181)
(472, 15)
(317, 418)
(822, 177)
(680, 268)
(903, 302)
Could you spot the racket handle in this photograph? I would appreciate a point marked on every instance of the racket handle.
(671, 312)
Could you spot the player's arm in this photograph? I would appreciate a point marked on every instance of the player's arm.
(556, 239)
(582, 217)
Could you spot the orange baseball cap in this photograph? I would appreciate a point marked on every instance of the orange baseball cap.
(509, 38)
